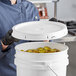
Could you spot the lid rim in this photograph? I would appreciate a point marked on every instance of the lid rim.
(43, 36)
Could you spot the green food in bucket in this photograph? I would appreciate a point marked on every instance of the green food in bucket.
(45, 49)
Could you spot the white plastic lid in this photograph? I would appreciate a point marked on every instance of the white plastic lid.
(39, 30)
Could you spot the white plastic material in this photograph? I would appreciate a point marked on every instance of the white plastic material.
(41, 64)
(41, 69)
(40, 57)
(39, 30)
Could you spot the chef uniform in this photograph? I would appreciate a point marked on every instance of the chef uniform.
(11, 15)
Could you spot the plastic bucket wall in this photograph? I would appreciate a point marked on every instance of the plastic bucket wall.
(41, 64)
(41, 69)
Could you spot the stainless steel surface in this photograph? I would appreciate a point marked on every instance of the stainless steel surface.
(71, 71)
(55, 8)
(68, 38)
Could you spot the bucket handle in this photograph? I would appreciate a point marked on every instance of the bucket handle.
(48, 66)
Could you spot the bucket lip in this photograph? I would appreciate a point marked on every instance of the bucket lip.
(42, 53)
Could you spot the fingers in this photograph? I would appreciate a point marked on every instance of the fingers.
(53, 19)
(10, 32)
(56, 20)
(4, 46)
(46, 40)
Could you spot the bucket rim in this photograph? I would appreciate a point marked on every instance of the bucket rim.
(41, 53)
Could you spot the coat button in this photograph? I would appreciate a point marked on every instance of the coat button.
(36, 17)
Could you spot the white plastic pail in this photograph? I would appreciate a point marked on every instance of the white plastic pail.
(41, 64)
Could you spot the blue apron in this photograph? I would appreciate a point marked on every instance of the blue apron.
(11, 15)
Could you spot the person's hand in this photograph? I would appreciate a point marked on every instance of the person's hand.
(8, 39)
(53, 19)
(56, 20)
(13, 2)
(4, 47)
(46, 41)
